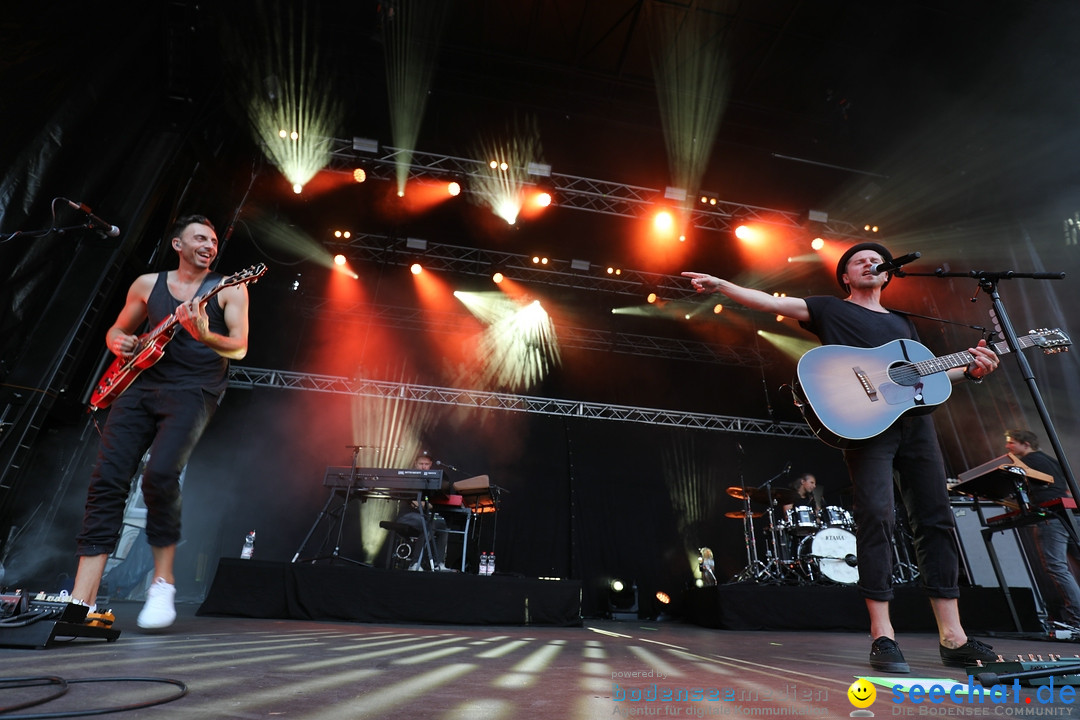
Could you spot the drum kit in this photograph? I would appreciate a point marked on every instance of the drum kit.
(804, 545)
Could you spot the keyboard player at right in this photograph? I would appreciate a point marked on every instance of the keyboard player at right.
(1050, 538)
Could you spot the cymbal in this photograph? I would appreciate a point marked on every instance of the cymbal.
(783, 496)
(736, 492)
(741, 514)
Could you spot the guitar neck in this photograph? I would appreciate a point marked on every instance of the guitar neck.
(168, 325)
(963, 358)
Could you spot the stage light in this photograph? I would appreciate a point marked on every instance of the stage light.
(717, 309)
(401, 193)
(579, 265)
(743, 232)
(416, 268)
(366, 145)
(282, 134)
(454, 189)
(664, 221)
(359, 175)
(297, 188)
(295, 283)
(622, 601)
(538, 169)
(339, 260)
(494, 165)
(614, 270)
(542, 199)
(503, 166)
(498, 278)
(663, 597)
(416, 243)
(294, 135)
(817, 243)
(342, 234)
(539, 260)
(674, 193)
(508, 211)
(651, 298)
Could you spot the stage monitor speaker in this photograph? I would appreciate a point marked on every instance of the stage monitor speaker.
(1006, 546)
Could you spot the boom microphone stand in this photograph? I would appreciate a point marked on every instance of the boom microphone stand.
(988, 283)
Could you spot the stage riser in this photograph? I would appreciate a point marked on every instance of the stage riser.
(751, 606)
(251, 588)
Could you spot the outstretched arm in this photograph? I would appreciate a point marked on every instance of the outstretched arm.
(791, 307)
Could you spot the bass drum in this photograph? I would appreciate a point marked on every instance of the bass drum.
(830, 554)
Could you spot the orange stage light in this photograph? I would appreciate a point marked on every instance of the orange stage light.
(663, 221)
(339, 260)
(416, 268)
(498, 278)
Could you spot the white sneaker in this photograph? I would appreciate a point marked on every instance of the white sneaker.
(159, 611)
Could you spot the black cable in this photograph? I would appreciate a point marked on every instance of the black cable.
(21, 682)
(97, 711)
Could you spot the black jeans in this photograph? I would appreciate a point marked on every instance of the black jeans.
(169, 423)
(910, 447)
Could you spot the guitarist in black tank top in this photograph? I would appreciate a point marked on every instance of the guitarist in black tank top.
(165, 410)
(909, 447)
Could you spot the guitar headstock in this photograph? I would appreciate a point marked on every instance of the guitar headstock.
(1051, 341)
(250, 275)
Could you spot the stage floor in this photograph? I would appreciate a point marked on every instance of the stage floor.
(259, 668)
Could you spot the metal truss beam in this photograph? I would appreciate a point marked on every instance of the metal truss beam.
(371, 247)
(569, 337)
(245, 377)
(575, 192)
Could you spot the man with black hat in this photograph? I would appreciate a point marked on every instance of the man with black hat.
(909, 447)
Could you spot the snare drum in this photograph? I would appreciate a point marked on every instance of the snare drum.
(801, 520)
(834, 516)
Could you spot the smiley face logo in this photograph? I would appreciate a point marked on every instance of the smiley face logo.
(862, 693)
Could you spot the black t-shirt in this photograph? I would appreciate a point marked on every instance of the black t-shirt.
(1041, 492)
(838, 322)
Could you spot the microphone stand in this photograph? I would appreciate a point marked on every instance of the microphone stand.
(777, 558)
(988, 283)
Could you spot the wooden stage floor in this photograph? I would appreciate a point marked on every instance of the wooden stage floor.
(261, 668)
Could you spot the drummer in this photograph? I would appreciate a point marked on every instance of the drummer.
(805, 486)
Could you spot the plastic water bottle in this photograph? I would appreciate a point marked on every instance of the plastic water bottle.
(491, 563)
(249, 546)
(484, 565)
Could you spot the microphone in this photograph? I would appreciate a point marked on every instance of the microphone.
(851, 560)
(96, 223)
(894, 264)
(787, 468)
(445, 465)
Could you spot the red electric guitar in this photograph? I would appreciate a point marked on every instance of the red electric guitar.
(151, 346)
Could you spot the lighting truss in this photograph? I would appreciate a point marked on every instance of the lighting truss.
(410, 319)
(246, 377)
(377, 248)
(571, 191)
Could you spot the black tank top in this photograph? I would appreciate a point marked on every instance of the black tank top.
(187, 363)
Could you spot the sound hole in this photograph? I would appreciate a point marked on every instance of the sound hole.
(904, 374)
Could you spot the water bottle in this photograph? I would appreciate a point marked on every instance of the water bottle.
(491, 563)
(249, 546)
(484, 563)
